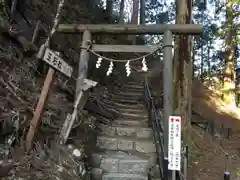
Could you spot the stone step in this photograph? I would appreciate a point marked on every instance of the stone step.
(121, 176)
(127, 96)
(134, 115)
(134, 86)
(135, 82)
(126, 144)
(128, 101)
(126, 130)
(127, 93)
(131, 122)
(96, 173)
(121, 162)
(130, 106)
(129, 110)
(101, 154)
(129, 88)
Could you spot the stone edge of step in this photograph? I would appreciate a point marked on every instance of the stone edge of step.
(113, 154)
(130, 138)
(134, 114)
(126, 131)
(130, 122)
(115, 125)
(132, 118)
(143, 145)
(123, 176)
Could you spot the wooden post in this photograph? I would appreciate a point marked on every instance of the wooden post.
(39, 109)
(40, 106)
(79, 101)
(83, 62)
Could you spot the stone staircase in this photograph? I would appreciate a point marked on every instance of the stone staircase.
(125, 149)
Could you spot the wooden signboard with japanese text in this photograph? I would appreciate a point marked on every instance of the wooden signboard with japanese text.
(57, 62)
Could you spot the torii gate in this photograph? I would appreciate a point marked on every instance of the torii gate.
(130, 29)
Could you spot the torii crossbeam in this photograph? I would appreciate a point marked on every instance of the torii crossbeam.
(188, 29)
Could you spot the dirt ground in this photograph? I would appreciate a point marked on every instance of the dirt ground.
(208, 157)
(208, 154)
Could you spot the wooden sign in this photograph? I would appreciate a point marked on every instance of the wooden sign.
(57, 62)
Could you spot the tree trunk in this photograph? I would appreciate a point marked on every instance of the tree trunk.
(121, 14)
(142, 17)
(109, 10)
(202, 62)
(193, 58)
(142, 11)
(134, 19)
(229, 70)
(135, 11)
(208, 59)
(182, 65)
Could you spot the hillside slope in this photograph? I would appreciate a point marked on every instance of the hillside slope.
(208, 153)
(210, 106)
(20, 87)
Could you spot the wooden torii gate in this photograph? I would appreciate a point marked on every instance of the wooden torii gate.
(130, 29)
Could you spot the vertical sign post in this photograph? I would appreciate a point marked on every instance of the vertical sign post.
(174, 143)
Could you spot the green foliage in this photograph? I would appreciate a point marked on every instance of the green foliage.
(210, 31)
(162, 18)
(156, 11)
(201, 4)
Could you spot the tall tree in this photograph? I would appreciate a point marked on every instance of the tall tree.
(135, 12)
(134, 19)
(182, 63)
(229, 69)
(121, 16)
(109, 9)
(142, 11)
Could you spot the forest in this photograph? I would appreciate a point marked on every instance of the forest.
(37, 101)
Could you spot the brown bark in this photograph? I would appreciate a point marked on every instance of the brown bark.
(109, 9)
(142, 11)
(229, 70)
(182, 65)
(121, 14)
(134, 19)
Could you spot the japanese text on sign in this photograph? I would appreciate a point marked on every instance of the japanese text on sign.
(174, 143)
(58, 63)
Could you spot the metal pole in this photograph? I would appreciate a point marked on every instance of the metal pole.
(226, 175)
(185, 166)
(167, 93)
